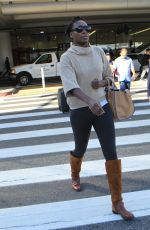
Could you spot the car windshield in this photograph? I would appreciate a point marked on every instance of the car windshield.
(46, 58)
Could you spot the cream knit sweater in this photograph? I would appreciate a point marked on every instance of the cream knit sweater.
(79, 67)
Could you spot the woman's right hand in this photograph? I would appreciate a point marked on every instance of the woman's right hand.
(96, 108)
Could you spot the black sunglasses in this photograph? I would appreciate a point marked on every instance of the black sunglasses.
(80, 29)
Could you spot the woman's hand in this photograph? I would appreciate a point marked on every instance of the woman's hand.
(96, 84)
(96, 108)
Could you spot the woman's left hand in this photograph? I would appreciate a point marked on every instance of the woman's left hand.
(96, 84)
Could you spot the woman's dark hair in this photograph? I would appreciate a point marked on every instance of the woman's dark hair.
(70, 26)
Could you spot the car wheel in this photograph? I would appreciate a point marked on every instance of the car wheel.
(24, 78)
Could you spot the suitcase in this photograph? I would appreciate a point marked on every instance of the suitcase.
(62, 102)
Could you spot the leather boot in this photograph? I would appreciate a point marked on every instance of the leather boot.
(113, 169)
(75, 164)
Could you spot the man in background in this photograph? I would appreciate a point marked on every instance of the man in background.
(148, 81)
(145, 63)
(125, 69)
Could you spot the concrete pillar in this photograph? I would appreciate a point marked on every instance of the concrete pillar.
(5, 49)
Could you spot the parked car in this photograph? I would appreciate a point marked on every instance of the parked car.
(24, 74)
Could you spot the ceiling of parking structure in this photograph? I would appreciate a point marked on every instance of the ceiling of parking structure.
(19, 14)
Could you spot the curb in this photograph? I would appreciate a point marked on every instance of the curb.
(7, 92)
(31, 90)
(28, 87)
(20, 90)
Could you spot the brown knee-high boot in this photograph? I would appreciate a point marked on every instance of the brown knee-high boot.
(75, 164)
(113, 169)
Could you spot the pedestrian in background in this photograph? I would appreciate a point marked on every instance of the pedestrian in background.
(145, 63)
(108, 56)
(110, 61)
(7, 66)
(148, 82)
(84, 70)
(124, 67)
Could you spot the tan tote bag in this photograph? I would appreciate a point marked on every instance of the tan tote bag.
(120, 101)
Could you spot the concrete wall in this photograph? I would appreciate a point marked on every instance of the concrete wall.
(5, 49)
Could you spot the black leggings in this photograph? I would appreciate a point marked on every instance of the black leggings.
(82, 120)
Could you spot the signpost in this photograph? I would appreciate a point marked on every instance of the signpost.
(43, 80)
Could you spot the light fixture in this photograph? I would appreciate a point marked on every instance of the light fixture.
(41, 32)
(139, 32)
(93, 32)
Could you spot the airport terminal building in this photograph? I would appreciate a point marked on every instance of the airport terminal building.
(29, 28)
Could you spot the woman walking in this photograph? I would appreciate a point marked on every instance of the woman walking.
(84, 70)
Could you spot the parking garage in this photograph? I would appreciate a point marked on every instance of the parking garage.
(28, 29)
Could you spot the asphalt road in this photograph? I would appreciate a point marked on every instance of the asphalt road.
(35, 188)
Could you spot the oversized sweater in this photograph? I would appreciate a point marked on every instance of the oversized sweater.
(79, 67)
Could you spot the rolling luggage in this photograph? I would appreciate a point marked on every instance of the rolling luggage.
(62, 103)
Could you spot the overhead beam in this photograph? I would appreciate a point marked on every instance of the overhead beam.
(62, 23)
(82, 13)
(73, 6)
(24, 1)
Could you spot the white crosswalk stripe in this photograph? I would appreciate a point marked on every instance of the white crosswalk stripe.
(54, 173)
(45, 121)
(30, 108)
(35, 100)
(34, 146)
(61, 215)
(55, 112)
(67, 146)
(66, 130)
(42, 102)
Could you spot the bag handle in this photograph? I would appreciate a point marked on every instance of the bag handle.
(111, 83)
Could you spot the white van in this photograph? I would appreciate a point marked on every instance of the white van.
(25, 73)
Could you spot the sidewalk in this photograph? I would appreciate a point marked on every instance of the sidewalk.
(29, 90)
(5, 91)
(50, 88)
